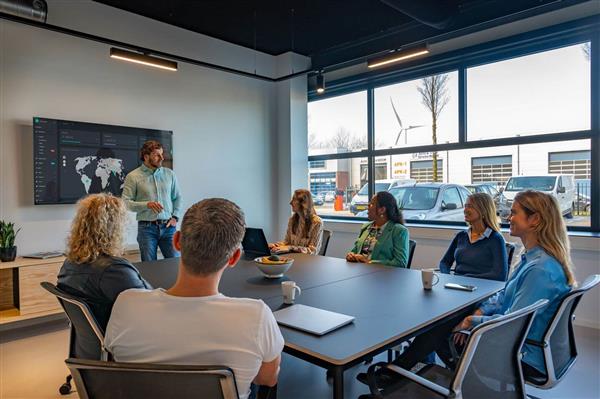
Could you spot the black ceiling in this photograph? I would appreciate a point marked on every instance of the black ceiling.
(331, 31)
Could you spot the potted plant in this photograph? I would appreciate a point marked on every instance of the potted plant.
(8, 250)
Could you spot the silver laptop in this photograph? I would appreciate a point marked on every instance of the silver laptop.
(312, 320)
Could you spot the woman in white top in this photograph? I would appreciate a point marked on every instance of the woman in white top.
(305, 229)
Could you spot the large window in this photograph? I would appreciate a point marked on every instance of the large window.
(547, 92)
(336, 187)
(337, 125)
(480, 132)
(417, 112)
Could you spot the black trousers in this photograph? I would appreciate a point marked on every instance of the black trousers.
(434, 340)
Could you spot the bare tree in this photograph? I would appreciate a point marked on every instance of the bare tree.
(341, 139)
(313, 142)
(587, 51)
(358, 142)
(434, 96)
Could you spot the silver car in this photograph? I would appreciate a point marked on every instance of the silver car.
(431, 201)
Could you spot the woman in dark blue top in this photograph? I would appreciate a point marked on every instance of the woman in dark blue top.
(479, 251)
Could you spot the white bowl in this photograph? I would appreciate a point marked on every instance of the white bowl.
(273, 270)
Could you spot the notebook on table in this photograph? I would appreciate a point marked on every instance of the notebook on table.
(311, 320)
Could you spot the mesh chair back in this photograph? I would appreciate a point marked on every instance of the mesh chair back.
(490, 366)
(87, 337)
(561, 352)
(325, 242)
(510, 252)
(97, 379)
(412, 245)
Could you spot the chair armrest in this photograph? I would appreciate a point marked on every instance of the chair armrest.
(420, 380)
(536, 343)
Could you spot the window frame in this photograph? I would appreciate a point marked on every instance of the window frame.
(567, 34)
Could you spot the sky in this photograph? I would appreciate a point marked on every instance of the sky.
(540, 93)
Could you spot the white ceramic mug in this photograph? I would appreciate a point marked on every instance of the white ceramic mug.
(429, 278)
(289, 291)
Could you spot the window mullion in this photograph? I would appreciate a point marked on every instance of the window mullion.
(595, 127)
(371, 140)
(462, 104)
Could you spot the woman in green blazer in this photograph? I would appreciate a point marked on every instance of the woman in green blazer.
(384, 240)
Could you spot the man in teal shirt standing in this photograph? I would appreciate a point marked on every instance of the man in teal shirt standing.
(152, 192)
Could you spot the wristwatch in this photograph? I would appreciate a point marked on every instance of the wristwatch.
(175, 217)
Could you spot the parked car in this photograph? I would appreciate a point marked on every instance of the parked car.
(317, 200)
(561, 187)
(360, 201)
(329, 196)
(487, 188)
(430, 201)
(582, 203)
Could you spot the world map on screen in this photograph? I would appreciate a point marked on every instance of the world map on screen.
(93, 167)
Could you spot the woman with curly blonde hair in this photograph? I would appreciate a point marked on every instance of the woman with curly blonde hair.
(94, 269)
(305, 229)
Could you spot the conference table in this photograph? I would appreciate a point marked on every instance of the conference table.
(389, 304)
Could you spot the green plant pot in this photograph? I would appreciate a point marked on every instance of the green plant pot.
(8, 254)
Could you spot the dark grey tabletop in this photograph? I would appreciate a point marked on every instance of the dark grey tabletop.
(245, 280)
(389, 303)
(389, 306)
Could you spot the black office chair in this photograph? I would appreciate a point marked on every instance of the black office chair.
(86, 336)
(325, 241)
(98, 379)
(510, 251)
(412, 245)
(558, 343)
(476, 375)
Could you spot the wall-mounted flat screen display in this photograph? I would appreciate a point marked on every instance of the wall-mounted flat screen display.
(72, 159)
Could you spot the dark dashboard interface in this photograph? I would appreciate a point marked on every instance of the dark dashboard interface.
(73, 159)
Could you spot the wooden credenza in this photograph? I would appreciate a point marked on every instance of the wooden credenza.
(22, 297)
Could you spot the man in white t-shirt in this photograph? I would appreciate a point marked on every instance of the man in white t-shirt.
(191, 322)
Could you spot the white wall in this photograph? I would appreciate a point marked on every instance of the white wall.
(432, 244)
(224, 126)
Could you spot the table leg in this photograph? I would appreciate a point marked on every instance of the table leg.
(338, 383)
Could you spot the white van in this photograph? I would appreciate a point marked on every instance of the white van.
(360, 201)
(561, 187)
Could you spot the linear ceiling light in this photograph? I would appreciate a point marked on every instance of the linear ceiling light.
(398, 56)
(142, 59)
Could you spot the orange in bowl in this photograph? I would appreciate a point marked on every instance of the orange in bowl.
(273, 266)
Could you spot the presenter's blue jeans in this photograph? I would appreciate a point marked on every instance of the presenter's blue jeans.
(153, 235)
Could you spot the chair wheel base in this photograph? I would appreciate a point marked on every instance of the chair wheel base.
(65, 389)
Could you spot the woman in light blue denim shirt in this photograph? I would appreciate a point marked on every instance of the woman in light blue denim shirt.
(544, 272)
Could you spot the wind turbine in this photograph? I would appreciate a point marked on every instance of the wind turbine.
(402, 128)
